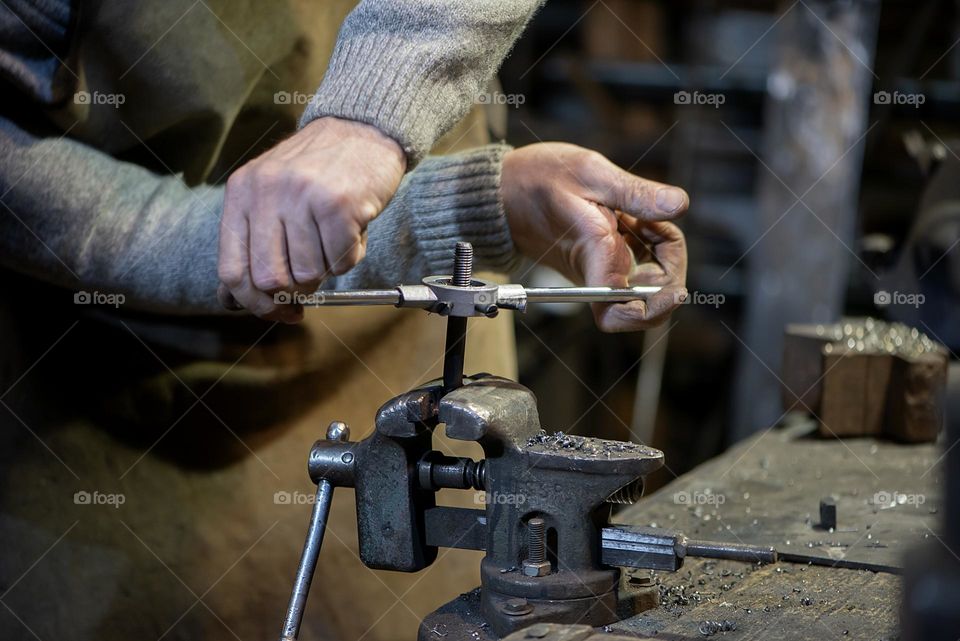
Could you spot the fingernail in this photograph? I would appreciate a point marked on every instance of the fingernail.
(670, 199)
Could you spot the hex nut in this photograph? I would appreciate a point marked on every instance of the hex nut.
(516, 607)
(536, 569)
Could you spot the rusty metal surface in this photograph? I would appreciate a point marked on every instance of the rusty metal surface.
(784, 602)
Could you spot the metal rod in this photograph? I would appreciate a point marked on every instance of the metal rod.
(588, 294)
(453, 353)
(455, 349)
(346, 297)
(353, 297)
(843, 564)
(308, 562)
(732, 551)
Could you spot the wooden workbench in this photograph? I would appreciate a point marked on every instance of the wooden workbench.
(767, 490)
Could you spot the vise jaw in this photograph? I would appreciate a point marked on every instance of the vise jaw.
(546, 499)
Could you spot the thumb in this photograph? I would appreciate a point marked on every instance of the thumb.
(644, 199)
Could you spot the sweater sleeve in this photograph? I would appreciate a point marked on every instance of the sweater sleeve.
(76, 217)
(413, 68)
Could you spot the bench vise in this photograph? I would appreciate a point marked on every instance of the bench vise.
(551, 552)
(542, 524)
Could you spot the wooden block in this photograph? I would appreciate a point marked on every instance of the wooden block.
(915, 407)
(844, 388)
(879, 372)
(866, 377)
(802, 368)
(855, 392)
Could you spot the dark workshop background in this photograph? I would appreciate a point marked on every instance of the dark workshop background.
(804, 182)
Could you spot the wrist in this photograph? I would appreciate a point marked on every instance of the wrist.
(388, 150)
(519, 203)
(459, 197)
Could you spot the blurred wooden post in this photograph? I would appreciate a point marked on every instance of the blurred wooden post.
(819, 92)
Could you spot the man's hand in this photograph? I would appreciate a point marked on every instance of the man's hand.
(299, 213)
(575, 211)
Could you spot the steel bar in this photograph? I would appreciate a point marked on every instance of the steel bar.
(642, 547)
(842, 564)
(732, 551)
(633, 546)
(353, 297)
(454, 352)
(345, 297)
(456, 527)
(308, 562)
(588, 294)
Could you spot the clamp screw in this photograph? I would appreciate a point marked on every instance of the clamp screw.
(536, 563)
(490, 311)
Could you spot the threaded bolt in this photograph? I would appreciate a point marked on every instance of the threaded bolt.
(536, 543)
(536, 563)
(463, 265)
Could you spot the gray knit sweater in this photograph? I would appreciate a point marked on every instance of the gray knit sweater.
(71, 213)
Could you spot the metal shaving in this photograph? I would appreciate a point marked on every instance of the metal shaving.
(871, 336)
(597, 447)
(710, 628)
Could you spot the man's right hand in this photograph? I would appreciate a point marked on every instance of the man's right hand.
(299, 213)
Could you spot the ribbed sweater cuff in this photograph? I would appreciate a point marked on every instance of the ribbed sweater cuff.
(458, 198)
(367, 81)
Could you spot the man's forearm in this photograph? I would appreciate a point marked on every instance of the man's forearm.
(413, 68)
(76, 217)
